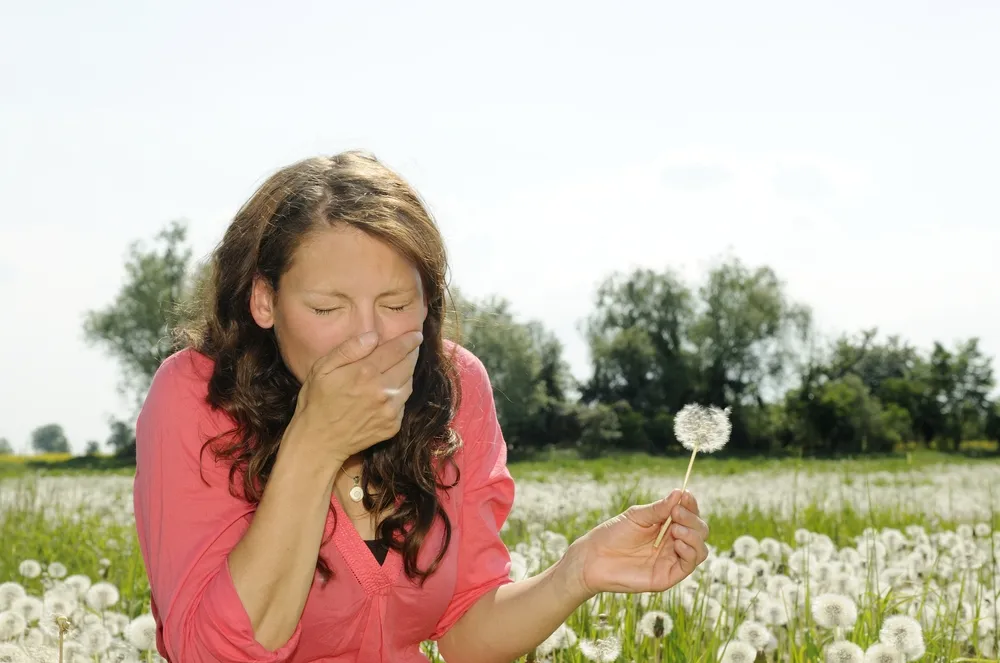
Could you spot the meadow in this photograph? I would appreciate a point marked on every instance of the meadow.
(877, 560)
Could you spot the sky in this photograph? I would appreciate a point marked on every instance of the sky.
(851, 146)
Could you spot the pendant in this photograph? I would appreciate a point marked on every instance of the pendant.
(357, 493)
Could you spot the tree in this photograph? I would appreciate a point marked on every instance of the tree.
(49, 439)
(992, 427)
(122, 438)
(5, 448)
(746, 333)
(135, 328)
(525, 365)
(638, 345)
(961, 382)
(842, 416)
(93, 448)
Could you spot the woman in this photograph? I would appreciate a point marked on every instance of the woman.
(290, 508)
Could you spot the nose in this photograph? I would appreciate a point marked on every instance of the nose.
(366, 320)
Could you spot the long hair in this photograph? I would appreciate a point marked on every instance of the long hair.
(250, 380)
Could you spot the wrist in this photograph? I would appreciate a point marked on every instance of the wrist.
(571, 570)
(306, 445)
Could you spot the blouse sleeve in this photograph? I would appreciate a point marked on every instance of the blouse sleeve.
(487, 495)
(187, 523)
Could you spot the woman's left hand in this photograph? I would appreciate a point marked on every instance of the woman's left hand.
(618, 555)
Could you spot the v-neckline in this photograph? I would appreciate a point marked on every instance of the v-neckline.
(374, 578)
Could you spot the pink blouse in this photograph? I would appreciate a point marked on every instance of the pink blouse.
(367, 612)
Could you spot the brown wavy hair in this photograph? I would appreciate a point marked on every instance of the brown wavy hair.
(250, 380)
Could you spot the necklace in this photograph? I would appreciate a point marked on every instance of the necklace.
(356, 492)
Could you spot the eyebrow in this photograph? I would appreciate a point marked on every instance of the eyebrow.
(387, 293)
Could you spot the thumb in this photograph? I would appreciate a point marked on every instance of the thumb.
(350, 351)
(648, 515)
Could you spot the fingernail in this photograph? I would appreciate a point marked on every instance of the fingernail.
(682, 531)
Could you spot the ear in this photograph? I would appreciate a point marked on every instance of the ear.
(262, 302)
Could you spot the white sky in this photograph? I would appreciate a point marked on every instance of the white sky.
(852, 146)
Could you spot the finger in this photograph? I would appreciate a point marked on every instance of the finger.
(691, 538)
(401, 373)
(396, 350)
(681, 515)
(687, 555)
(350, 351)
(689, 502)
(648, 515)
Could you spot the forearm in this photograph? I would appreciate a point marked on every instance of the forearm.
(274, 564)
(514, 619)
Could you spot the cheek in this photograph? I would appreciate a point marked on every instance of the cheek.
(305, 338)
(395, 324)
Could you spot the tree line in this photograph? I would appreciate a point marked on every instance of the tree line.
(656, 343)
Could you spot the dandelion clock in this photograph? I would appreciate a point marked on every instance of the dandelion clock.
(698, 428)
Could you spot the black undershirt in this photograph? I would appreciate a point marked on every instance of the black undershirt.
(378, 550)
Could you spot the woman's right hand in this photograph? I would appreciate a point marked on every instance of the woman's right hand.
(354, 396)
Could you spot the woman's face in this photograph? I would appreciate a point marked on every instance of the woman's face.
(341, 283)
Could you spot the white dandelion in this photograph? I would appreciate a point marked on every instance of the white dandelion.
(698, 428)
(518, 566)
(754, 634)
(95, 637)
(12, 624)
(843, 651)
(605, 650)
(562, 638)
(78, 583)
(10, 592)
(122, 652)
(737, 651)
(882, 653)
(30, 569)
(655, 624)
(11, 653)
(102, 595)
(746, 547)
(141, 632)
(29, 607)
(834, 611)
(904, 633)
(57, 570)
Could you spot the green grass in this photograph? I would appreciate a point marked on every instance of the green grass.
(546, 464)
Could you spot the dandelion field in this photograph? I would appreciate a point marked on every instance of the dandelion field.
(895, 560)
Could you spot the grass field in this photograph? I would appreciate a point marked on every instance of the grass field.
(889, 559)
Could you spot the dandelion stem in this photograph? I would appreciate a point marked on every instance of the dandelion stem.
(687, 475)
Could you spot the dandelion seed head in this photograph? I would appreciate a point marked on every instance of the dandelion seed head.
(11, 653)
(141, 632)
(834, 611)
(737, 651)
(902, 632)
(30, 568)
(746, 548)
(10, 592)
(702, 429)
(57, 570)
(655, 624)
(102, 595)
(754, 634)
(843, 651)
(12, 624)
(882, 653)
(605, 650)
